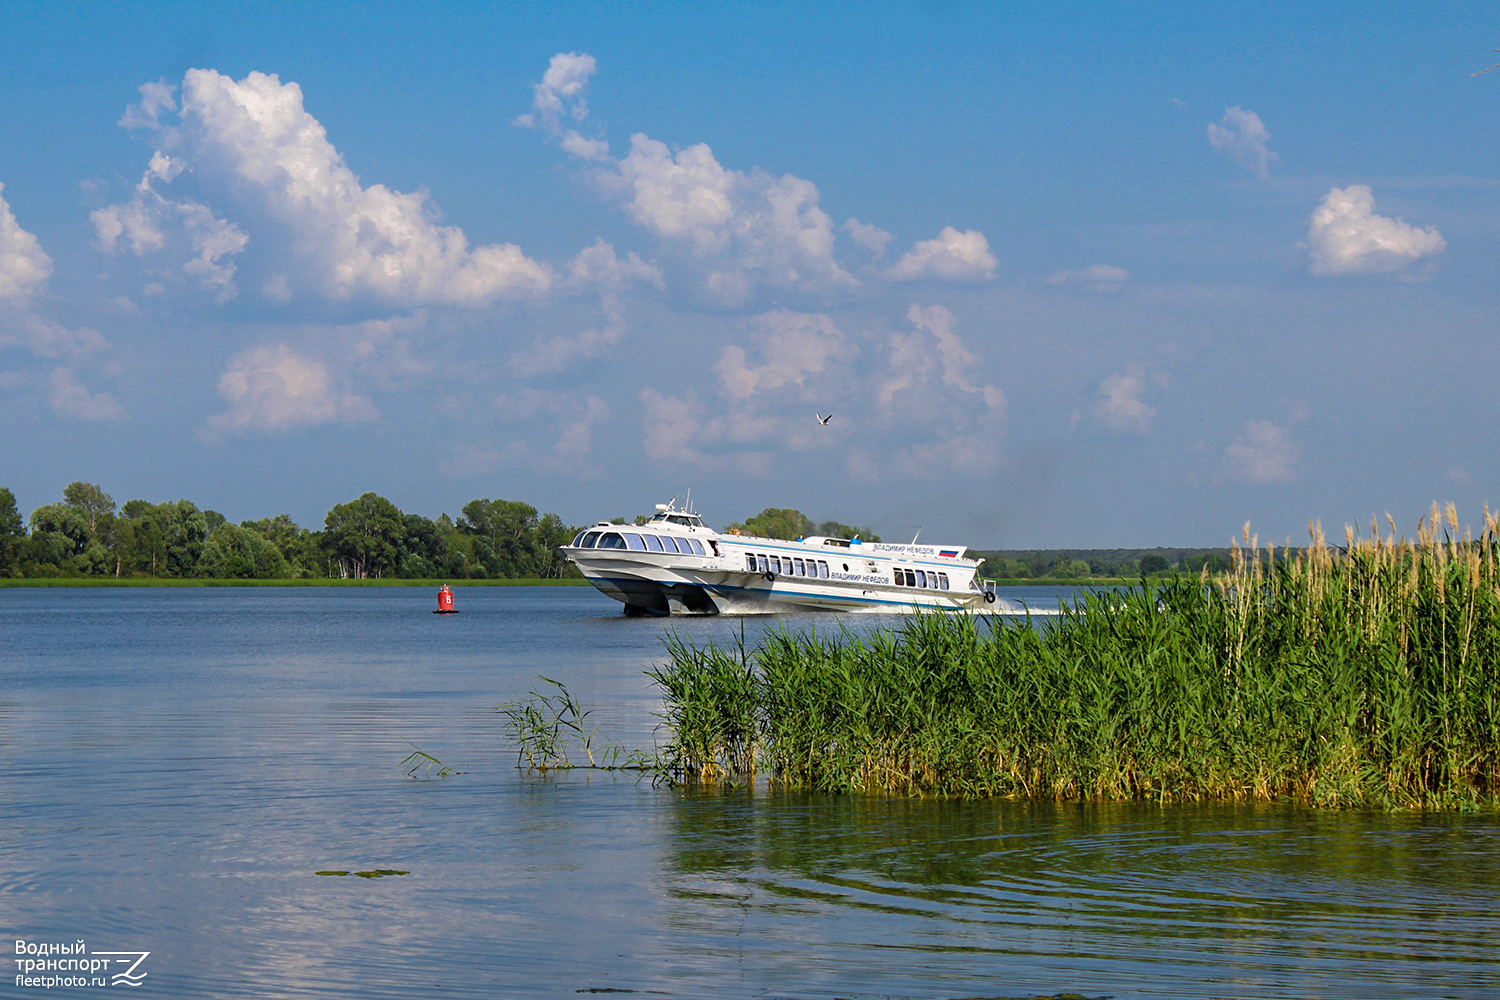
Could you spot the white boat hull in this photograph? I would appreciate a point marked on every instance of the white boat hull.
(711, 573)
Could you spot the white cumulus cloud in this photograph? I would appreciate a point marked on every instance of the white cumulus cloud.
(869, 237)
(274, 389)
(789, 347)
(148, 221)
(742, 229)
(952, 256)
(253, 140)
(560, 94)
(595, 268)
(24, 265)
(156, 98)
(47, 339)
(599, 267)
(1347, 237)
(737, 232)
(69, 397)
(934, 350)
(562, 88)
(1263, 453)
(24, 269)
(671, 425)
(1243, 136)
(551, 430)
(1119, 404)
(1099, 278)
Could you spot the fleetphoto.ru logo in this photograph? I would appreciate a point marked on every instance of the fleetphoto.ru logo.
(48, 964)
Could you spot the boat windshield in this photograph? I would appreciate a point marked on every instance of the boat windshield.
(690, 520)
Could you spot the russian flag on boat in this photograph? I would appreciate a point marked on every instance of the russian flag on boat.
(950, 553)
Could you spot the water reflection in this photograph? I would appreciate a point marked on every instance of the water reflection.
(180, 767)
(1203, 901)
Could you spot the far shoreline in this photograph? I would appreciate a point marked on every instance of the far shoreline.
(84, 582)
(78, 582)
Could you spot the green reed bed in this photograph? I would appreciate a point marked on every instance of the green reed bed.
(1364, 675)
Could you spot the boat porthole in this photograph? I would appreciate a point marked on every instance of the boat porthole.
(846, 567)
(770, 577)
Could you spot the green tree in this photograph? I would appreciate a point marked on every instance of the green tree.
(504, 532)
(90, 499)
(775, 522)
(1154, 563)
(364, 536)
(233, 552)
(422, 547)
(460, 561)
(1009, 567)
(12, 534)
(64, 524)
(1069, 569)
(1212, 561)
(160, 539)
(552, 534)
(837, 529)
(141, 538)
(298, 546)
(184, 529)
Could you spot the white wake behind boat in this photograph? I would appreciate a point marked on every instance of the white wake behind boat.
(674, 563)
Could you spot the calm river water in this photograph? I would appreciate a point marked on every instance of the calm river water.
(178, 764)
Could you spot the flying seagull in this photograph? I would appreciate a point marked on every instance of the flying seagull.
(824, 420)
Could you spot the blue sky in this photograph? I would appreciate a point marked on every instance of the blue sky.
(1074, 277)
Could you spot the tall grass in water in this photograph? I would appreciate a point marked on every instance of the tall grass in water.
(1357, 676)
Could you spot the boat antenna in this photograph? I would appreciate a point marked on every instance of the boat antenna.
(917, 535)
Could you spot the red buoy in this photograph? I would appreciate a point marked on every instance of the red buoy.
(445, 601)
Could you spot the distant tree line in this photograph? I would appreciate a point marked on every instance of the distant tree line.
(784, 522)
(368, 537)
(1042, 564)
(86, 535)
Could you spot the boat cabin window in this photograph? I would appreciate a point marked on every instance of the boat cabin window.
(813, 569)
(921, 578)
(653, 543)
(634, 541)
(611, 540)
(589, 538)
(694, 544)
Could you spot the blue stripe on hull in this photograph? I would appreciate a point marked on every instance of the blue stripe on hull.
(612, 586)
(789, 595)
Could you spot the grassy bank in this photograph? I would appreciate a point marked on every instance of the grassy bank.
(96, 581)
(1356, 676)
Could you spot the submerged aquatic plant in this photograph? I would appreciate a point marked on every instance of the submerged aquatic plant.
(1353, 676)
(545, 727)
(421, 765)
